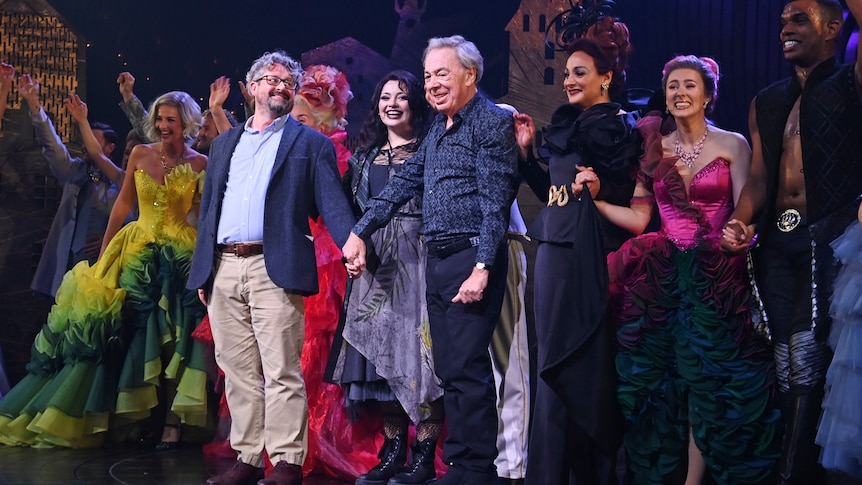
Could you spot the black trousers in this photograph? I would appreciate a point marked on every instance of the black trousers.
(783, 267)
(460, 336)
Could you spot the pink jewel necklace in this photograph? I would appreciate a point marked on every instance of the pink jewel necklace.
(688, 158)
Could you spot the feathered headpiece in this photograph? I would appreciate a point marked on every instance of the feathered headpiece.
(325, 87)
(574, 23)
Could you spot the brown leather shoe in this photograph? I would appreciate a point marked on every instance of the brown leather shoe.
(283, 473)
(239, 474)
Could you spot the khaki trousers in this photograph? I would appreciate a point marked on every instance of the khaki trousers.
(258, 330)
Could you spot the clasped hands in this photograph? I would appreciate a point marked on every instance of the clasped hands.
(471, 289)
(737, 237)
(354, 255)
(586, 175)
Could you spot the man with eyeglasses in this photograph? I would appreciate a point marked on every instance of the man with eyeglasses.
(255, 260)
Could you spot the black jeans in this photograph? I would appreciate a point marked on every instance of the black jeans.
(460, 336)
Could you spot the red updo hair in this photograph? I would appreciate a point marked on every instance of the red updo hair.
(608, 43)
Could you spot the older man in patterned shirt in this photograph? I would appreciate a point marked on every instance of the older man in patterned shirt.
(465, 171)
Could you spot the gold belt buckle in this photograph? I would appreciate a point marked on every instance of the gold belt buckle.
(558, 195)
(788, 220)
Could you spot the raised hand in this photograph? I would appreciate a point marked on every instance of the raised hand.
(525, 134)
(76, 108)
(249, 99)
(127, 85)
(7, 73)
(219, 90)
(29, 90)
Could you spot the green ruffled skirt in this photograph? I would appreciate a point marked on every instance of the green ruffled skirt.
(117, 331)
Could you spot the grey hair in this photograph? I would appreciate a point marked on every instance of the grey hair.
(267, 60)
(190, 114)
(467, 52)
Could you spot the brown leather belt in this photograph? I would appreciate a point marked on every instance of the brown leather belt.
(241, 249)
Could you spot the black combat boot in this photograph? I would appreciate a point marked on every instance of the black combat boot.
(392, 456)
(420, 470)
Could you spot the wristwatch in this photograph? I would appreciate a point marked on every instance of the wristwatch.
(483, 266)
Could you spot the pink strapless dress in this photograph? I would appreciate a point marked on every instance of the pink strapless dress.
(689, 355)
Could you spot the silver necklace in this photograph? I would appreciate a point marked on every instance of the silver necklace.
(688, 158)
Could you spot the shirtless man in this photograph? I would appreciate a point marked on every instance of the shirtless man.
(806, 175)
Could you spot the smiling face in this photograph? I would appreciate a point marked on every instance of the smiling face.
(274, 101)
(393, 107)
(206, 135)
(169, 124)
(582, 82)
(806, 32)
(685, 93)
(448, 86)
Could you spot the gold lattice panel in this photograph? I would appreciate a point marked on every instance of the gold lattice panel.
(47, 50)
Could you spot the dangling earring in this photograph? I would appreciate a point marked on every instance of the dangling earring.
(605, 86)
(705, 104)
(666, 109)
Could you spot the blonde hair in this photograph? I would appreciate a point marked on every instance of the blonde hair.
(190, 114)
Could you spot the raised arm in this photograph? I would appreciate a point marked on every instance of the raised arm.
(219, 90)
(132, 107)
(78, 110)
(7, 76)
(249, 99)
(528, 167)
(53, 149)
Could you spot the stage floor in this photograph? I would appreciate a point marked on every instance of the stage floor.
(60, 466)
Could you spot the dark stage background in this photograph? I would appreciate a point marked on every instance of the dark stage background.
(184, 45)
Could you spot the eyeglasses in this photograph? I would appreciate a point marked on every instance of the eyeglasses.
(275, 81)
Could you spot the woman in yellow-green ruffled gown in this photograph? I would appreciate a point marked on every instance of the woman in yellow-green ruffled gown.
(118, 338)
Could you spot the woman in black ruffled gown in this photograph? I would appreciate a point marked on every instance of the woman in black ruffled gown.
(577, 427)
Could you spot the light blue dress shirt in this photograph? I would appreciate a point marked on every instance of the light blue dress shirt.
(250, 171)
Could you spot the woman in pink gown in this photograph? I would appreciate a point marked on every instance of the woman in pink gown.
(695, 380)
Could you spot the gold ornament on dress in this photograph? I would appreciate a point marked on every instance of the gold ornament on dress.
(558, 195)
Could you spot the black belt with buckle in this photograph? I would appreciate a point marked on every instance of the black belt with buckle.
(444, 249)
(789, 220)
(241, 249)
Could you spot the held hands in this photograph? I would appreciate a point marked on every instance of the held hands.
(127, 85)
(354, 255)
(472, 288)
(737, 237)
(586, 175)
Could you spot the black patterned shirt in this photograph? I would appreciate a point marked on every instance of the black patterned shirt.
(466, 176)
